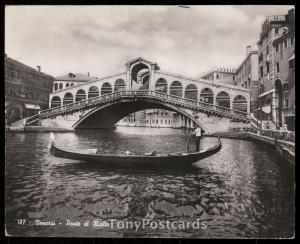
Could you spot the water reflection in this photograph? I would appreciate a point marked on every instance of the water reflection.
(243, 191)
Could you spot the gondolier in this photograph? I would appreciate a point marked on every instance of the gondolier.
(198, 133)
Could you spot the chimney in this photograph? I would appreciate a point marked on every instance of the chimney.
(248, 50)
(38, 68)
(88, 74)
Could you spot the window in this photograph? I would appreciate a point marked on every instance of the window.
(268, 67)
(268, 50)
(285, 45)
(277, 48)
(261, 71)
(276, 30)
(285, 103)
(217, 76)
(277, 67)
(291, 64)
(233, 77)
(292, 40)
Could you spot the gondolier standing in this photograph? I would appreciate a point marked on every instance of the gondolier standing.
(198, 134)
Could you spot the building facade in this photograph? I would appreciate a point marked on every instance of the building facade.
(247, 75)
(26, 90)
(220, 74)
(284, 61)
(274, 30)
(158, 118)
(71, 79)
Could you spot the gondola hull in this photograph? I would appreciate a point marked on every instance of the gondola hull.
(174, 159)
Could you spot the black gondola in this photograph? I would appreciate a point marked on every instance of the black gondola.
(148, 160)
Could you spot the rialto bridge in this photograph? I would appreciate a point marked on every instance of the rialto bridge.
(103, 102)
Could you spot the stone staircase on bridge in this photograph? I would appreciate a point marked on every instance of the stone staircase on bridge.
(94, 102)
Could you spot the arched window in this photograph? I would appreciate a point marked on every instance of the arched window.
(106, 88)
(93, 92)
(55, 86)
(68, 98)
(223, 99)
(60, 85)
(161, 85)
(72, 84)
(176, 88)
(191, 92)
(55, 102)
(119, 85)
(80, 95)
(207, 95)
(67, 85)
(239, 103)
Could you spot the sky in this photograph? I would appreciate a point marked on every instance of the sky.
(101, 39)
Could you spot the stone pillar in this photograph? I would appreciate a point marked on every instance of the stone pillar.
(248, 105)
(128, 78)
(231, 101)
(152, 78)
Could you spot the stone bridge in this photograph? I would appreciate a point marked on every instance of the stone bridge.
(103, 102)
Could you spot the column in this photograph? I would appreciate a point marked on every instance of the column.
(151, 78)
(128, 78)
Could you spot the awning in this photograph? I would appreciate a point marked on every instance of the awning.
(267, 109)
(293, 57)
(32, 106)
(265, 93)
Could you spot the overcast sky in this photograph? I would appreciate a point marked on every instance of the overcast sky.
(101, 39)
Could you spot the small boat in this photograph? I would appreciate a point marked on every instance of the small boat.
(140, 160)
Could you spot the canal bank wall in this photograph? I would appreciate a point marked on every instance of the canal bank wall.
(284, 148)
(36, 129)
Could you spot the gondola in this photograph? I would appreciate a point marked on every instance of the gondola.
(140, 160)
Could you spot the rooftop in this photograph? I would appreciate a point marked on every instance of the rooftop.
(24, 66)
(79, 77)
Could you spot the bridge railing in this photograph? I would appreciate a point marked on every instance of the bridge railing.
(144, 93)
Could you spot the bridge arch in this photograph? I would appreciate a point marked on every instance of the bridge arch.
(207, 95)
(55, 102)
(106, 88)
(119, 85)
(191, 92)
(240, 103)
(161, 85)
(93, 92)
(176, 88)
(223, 99)
(106, 116)
(68, 98)
(80, 95)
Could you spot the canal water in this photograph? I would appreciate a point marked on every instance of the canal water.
(243, 191)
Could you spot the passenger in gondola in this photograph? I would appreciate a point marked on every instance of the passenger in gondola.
(198, 133)
(128, 152)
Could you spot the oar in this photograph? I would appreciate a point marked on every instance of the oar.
(188, 144)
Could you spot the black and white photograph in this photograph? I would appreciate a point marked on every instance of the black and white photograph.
(150, 121)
